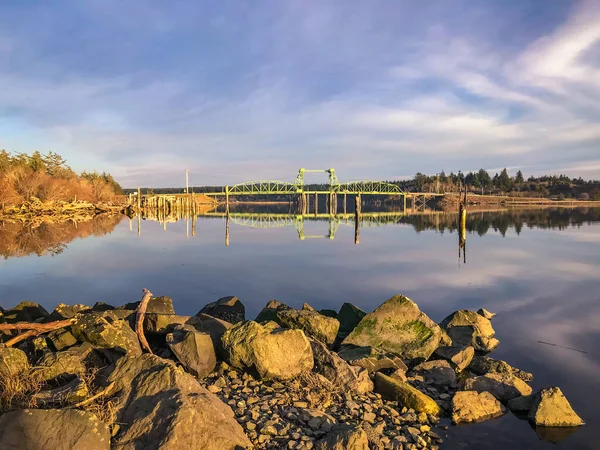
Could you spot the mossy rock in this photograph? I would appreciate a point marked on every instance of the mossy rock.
(163, 305)
(469, 328)
(25, 312)
(315, 325)
(349, 316)
(269, 312)
(107, 332)
(406, 395)
(230, 309)
(12, 361)
(397, 326)
(61, 364)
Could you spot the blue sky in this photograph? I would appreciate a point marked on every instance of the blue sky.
(245, 90)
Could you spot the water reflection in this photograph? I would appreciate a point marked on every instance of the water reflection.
(47, 236)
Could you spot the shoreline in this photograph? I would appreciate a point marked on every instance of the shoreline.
(291, 378)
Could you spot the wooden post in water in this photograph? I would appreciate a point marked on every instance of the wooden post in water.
(139, 199)
(316, 203)
(357, 219)
(404, 203)
(227, 229)
(462, 215)
(344, 203)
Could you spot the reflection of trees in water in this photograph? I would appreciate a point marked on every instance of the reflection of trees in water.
(43, 236)
(501, 221)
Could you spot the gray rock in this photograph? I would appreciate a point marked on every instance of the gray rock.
(62, 339)
(279, 354)
(406, 395)
(315, 325)
(522, 404)
(469, 328)
(329, 313)
(73, 392)
(437, 372)
(371, 359)
(53, 429)
(230, 309)
(551, 409)
(161, 407)
(339, 372)
(194, 350)
(502, 386)
(458, 356)
(344, 437)
(397, 326)
(349, 316)
(107, 332)
(481, 365)
(63, 311)
(61, 364)
(163, 305)
(269, 312)
(472, 406)
(485, 313)
(13, 361)
(25, 312)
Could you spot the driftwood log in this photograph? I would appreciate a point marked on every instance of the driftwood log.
(139, 320)
(33, 329)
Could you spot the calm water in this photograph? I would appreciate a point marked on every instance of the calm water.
(538, 269)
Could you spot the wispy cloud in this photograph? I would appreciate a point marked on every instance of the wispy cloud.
(233, 91)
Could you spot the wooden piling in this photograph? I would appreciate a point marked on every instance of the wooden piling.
(357, 206)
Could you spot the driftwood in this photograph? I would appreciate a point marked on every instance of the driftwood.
(33, 329)
(71, 392)
(139, 320)
(102, 393)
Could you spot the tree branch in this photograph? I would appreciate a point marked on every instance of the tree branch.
(139, 320)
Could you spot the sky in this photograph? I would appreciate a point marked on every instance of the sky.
(238, 90)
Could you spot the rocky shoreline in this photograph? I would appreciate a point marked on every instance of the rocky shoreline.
(290, 379)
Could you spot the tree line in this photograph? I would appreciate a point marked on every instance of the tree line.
(47, 177)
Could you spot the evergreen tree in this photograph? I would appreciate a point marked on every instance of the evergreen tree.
(519, 178)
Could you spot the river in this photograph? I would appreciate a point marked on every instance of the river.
(538, 269)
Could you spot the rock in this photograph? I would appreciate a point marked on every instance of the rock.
(521, 404)
(73, 392)
(213, 326)
(62, 339)
(344, 437)
(162, 305)
(13, 362)
(485, 313)
(551, 409)
(107, 332)
(269, 312)
(307, 307)
(230, 309)
(371, 359)
(329, 313)
(472, 406)
(399, 375)
(61, 364)
(194, 350)
(25, 312)
(438, 373)
(469, 328)
(406, 395)
(397, 326)
(161, 407)
(458, 356)
(53, 429)
(502, 386)
(481, 365)
(338, 371)
(163, 323)
(279, 354)
(349, 316)
(317, 419)
(312, 323)
(63, 311)
(101, 307)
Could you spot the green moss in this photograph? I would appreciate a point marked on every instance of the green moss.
(366, 326)
(419, 329)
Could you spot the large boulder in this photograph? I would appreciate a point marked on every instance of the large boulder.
(344, 437)
(230, 309)
(271, 353)
(161, 407)
(315, 325)
(25, 312)
(106, 331)
(406, 395)
(160, 305)
(53, 429)
(349, 316)
(371, 359)
(269, 312)
(13, 362)
(502, 386)
(194, 350)
(62, 339)
(481, 365)
(338, 371)
(469, 328)
(437, 372)
(485, 313)
(472, 406)
(551, 409)
(458, 356)
(397, 326)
